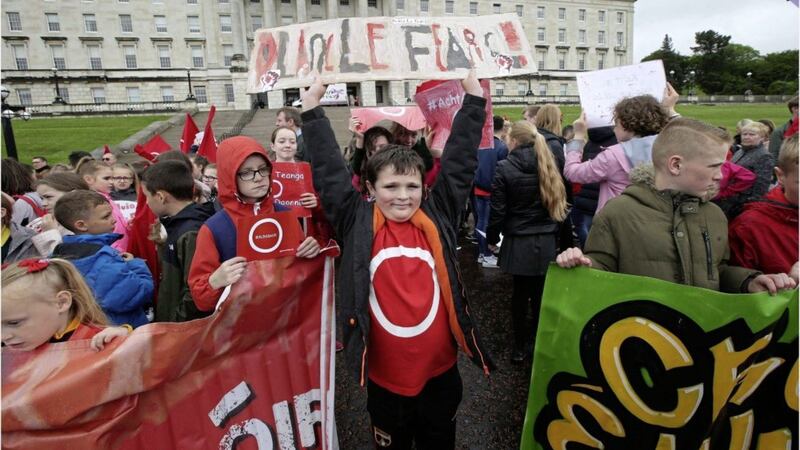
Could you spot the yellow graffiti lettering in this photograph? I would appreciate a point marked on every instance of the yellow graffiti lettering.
(741, 431)
(775, 440)
(665, 442)
(563, 431)
(706, 444)
(726, 373)
(752, 377)
(790, 392)
(672, 353)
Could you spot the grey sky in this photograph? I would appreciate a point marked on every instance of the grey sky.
(766, 25)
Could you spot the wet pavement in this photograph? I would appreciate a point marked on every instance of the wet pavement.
(493, 409)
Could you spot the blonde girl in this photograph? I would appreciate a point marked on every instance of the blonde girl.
(99, 177)
(47, 301)
(528, 202)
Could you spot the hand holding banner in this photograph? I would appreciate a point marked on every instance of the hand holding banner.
(269, 236)
(439, 103)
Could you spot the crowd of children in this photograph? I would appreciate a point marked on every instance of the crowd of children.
(655, 195)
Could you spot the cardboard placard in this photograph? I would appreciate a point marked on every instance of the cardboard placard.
(439, 103)
(289, 182)
(408, 116)
(269, 236)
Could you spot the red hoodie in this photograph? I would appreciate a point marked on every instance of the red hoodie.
(765, 236)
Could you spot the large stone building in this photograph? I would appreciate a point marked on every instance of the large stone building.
(141, 51)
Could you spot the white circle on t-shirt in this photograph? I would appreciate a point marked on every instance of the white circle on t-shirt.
(393, 329)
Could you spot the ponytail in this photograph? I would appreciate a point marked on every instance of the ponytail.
(551, 185)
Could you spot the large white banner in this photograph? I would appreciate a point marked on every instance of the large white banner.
(389, 48)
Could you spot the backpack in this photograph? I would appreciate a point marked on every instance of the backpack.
(38, 210)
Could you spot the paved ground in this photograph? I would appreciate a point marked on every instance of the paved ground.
(493, 409)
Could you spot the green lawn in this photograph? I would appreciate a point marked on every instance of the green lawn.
(55, 137)
(721, 115)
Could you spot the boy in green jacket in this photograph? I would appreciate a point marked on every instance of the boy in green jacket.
(663, 225)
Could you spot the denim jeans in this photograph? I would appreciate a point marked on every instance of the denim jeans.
(582, 223)
(482, 209)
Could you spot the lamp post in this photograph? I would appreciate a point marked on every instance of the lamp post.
(530, 92)
(58, 100)
(692, 73)
(672, 76)
(189, 78)
(8, 112)
(748, 94)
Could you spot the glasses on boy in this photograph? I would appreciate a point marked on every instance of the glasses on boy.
(250, 175)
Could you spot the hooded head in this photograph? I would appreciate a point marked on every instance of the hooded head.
(243, 187)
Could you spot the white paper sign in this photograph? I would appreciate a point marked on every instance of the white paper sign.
(602, 89)
(335, 95)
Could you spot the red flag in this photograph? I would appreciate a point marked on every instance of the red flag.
(138, 243)
(157, 145)
(208, 147)
(189, 131)
(139, 149)
(106, 150)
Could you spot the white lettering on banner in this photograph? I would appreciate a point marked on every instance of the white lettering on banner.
(290, 176)
(305, 414)
(252, 236)
(280, 185)
(388, 48)
(391, 328)
(443, 102)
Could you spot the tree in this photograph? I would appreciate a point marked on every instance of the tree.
(672, 61)
(711, 61)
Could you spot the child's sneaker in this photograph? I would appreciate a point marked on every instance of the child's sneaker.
(489, 262)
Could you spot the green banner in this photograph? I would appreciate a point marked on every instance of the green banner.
(626, 362)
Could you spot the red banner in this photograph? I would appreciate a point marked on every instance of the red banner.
(408, 116)
(441, 102)
(289, 182)
(269, 236)
(257, 374)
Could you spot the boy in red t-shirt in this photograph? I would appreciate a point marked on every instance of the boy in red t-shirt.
(400, 292)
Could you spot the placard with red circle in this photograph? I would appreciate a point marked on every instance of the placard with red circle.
(269, 236)
(289, 182)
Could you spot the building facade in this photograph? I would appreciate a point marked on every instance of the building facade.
(137, 51)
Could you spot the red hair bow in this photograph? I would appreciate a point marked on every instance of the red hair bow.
(34, 265)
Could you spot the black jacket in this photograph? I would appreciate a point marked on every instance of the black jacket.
(351, 216)
(600, 138)
(556, 144)
(175, 302)
(517, 208)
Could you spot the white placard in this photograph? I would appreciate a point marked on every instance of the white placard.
(335, 95)
(602, 89)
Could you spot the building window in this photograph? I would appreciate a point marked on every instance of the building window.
(200, 94)
(123, 1)
(287, 20)
(63, 92)
(562, 35)
(225, 23)
(98, 95)
(229, 95)
(164, 58)
(52, 22)
(14, 21)
(543, 89)
(59, 59)
(224, 1)
(227, 55)
(601, 37)
(90, 23)
(316, 2)
(542, 56)
(130, 56)
(540, 12)
(581, 60)
(194, 23)
(167, 94)
(581, 36)
(520, 10)
(499, 88)
(134, 95)
(256, 23)
(161, 23)
(423, 5)
(344, 2)
(522, 88)
(563, 90)
(601, 60)
(25, 98)
(448, 6)
(540, 34)
(95, 60)
(581, 15)
(562, 60)
(601, 16)
(125, 23)
(497, 8)
(620, 17)
(473, 8)
(197, 56)
(620, 39)
(400, 4)
(20, 56)
(562, 13)
(372, 3)
(191, 2)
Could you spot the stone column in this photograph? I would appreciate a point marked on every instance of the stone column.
(275, 99)
(332, 8)
(361, 8)
(301, 11)
(239, 78)
(367, 93)
(240, 36)
(270, 20)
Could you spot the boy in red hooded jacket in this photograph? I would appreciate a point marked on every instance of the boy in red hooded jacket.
(244, 183)
(765, 236)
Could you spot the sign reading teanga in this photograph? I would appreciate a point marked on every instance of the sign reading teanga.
(389, 48)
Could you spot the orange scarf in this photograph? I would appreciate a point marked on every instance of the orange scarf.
(424, 223)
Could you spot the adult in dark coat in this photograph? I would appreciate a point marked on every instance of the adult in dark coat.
(585, 201)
